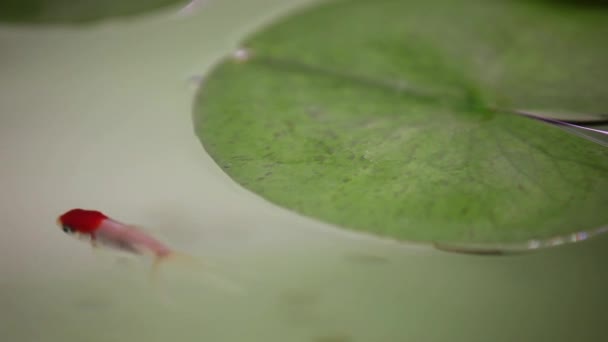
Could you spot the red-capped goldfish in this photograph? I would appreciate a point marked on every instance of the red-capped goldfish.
(102, 230)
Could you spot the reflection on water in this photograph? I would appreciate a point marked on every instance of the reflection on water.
(192, 6)
(524, 246)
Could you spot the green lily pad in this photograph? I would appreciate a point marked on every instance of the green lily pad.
(395, 118)
(74, 11)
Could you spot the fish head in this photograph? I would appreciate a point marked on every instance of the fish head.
(80, 221)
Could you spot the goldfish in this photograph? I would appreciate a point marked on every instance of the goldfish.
(102, 230)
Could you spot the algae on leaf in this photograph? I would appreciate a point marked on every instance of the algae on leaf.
(74, 11)
(391, 117)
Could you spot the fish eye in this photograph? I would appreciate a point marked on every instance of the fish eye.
(67, 229)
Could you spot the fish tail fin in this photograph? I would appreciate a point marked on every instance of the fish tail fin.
(196, 264)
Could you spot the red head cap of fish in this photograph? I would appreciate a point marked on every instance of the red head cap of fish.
(81, 220)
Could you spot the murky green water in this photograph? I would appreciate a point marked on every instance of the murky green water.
(99, 117)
